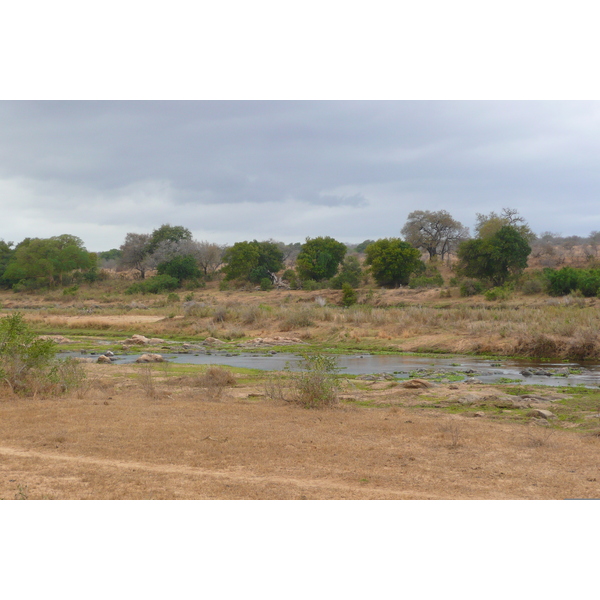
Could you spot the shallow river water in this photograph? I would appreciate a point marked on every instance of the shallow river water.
(401, 366)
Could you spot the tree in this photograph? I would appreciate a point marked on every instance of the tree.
(48, 259)
(488, 225)
(350, 273)
(136, 254)
(393, 261)
(435, 232)
(209, 256)
(6, 254)
(180, 267)
(252, 261)
(171, 233)
(360, 248)
(319, 258)
(494, 258)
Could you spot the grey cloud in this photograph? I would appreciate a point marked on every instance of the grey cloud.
(130, 166)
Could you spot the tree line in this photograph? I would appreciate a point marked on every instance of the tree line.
(497, 252)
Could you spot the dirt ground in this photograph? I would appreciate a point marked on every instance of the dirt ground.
(122, 440)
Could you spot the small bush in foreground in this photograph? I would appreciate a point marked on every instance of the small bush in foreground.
(214, 381)
(25, 360)
(317, 386)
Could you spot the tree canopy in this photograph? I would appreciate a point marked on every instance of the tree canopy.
(167, 232)
(48, 259)
(435, 232)
(319, 258)
(252, 261)
(393, 261)
(494, 258)
(488, 225)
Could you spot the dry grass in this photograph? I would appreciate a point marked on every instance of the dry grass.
(118, 443)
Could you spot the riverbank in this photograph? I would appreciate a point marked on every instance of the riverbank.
(401, 320)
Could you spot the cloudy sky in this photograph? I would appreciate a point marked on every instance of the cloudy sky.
(241, 170)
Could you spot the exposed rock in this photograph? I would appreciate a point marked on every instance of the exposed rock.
(541, 414)
(142, 340)
(150, 358)
(104, 360)
(137, 340)
(211, 341)
(57, 339)
(526, 373)
(479, 414)
(276, 340)
(416, 384)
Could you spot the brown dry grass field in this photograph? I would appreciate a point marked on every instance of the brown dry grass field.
(136, 433)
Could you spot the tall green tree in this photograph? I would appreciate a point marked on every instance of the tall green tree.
(252, 261)
(494, 258)
(319, 258)
(393, 261)
(6, 254)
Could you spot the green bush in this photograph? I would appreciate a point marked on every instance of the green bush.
(498, 293)
(349, 295)
(154, 285)
(25, 360)
(430, 278)
(172, 298)
(310, 285)
(266, 284)
(317, 386)
(567, 280)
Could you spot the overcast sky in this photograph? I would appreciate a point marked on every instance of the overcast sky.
(242, 170)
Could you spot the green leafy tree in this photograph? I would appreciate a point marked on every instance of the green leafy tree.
(494, 258)
(180, 267)
(252, 261)
(48, 259)
(6, 254)
(360, 249)
(393, 261)
(319, 258)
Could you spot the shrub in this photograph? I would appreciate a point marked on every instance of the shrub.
(429, 279)
(266, 284)
(317, 386)
(214, 381)
(173, 297)
(154, 285)
(349, 295)
(498, 293)
(25, 360)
